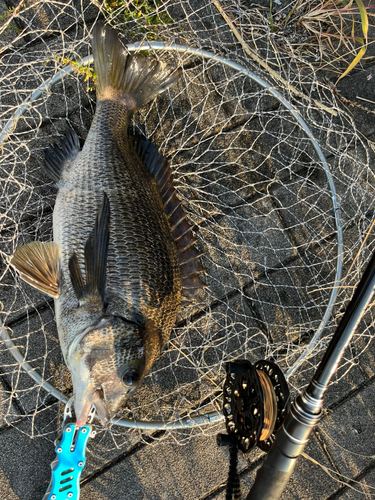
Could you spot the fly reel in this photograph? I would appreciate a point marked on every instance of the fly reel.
(256, 402)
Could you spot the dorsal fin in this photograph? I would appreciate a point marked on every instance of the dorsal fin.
(96, 252)
(58, 155)
(189, 256)
(38, 264)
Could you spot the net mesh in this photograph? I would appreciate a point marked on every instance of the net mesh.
(247, 172)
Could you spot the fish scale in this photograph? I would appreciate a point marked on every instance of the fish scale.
(137, 253)
(123, 254)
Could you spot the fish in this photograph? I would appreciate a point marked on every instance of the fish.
(123, 258)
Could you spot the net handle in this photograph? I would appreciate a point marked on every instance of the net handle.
(159, 46)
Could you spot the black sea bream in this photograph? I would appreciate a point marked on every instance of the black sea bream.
(122, 254)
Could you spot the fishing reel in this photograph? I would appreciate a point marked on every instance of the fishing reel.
(256, 403)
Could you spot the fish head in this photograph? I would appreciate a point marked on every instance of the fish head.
(107, 364)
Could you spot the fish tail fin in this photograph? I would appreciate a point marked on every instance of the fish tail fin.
(122, 76)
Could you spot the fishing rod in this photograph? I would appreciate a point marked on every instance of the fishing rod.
(251, 412)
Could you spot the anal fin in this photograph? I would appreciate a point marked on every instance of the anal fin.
(57, 156)
(189, 256)
(38, 264)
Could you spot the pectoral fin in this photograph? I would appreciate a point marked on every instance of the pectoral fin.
(39, 265)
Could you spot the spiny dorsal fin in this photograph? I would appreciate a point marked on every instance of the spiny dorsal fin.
(96, 253)
(57, 156)
(38, 264)
(189, 256)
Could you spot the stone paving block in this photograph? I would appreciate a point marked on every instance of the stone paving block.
(26, 195)
(43, 19)
(362, 488)
(36, 339)
(225, 142)
(283, 305)
(239, 248)
(12, 37)
(63, 99)
(87, 11)
(25, 462)
(9, 411)
(235, 164)
(198, 113)
(343, 382)
(117, 444)
(305, 206)
(348, 433)
(202, 20)
(308, 482)
(362, 85)
(164, 472)
(354, 186)
(365, 349)
(356, 202)
(247, 475)
(110, 446)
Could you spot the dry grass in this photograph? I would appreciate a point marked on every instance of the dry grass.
(338, 29)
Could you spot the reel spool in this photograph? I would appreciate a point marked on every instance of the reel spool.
(256, 403)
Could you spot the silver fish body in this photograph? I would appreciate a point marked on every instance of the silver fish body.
(143, 272)
(143, 280)
(122, 254)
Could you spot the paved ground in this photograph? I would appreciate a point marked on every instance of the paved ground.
(342, 448)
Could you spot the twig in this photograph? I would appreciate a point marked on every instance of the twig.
(264, 65)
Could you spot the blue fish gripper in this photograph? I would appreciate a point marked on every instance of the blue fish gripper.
(69, 463)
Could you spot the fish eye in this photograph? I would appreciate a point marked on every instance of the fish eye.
(130, 377)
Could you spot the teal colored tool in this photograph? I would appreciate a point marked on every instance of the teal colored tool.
(70, 460)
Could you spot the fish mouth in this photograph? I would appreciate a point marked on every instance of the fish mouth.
(84, 404)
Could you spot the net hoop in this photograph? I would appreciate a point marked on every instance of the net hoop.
(159, 46)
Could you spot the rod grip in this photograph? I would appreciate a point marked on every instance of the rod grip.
(269, 483)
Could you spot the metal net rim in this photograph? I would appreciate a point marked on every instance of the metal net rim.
(159, 46)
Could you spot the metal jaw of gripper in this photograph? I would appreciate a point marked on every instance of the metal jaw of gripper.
(70, 458)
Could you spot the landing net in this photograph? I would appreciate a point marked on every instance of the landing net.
(269, 166)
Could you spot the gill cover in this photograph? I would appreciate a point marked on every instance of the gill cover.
(107, 364)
